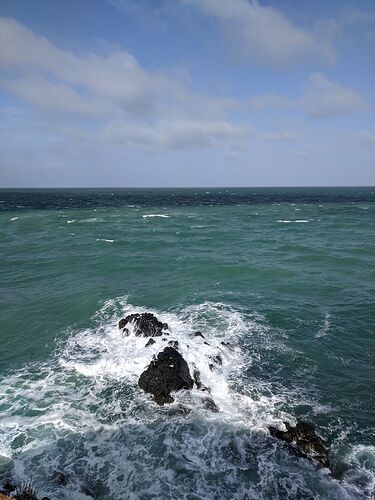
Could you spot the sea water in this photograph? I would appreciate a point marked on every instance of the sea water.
(285, 276)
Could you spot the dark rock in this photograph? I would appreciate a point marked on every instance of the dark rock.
(150, 342)
(227, 344)
(8, 487)
(166, 373)
(25, 492)
(211, 366)
(173, 343)
(198, 334)
(304, 438)
(197, 380)
(217, 359)
(210, 404)
(145, 325)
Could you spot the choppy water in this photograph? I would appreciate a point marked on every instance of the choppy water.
(287, 276)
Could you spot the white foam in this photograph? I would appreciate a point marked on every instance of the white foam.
(81, 412)
(296, 221)
(323, 331)
(145, 216)
(70, 221)
(14, 218)
(90, 220)
(106, 240)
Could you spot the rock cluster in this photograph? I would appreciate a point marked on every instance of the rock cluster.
(305, 440)
(144, 325)
(169, 372)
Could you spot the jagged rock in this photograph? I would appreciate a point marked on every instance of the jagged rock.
(166, 373)
(227, 344)
(150, 342)
(145, 325)
(198, 334)
(173, 343)
(7, 488)
(198, 382)
(210, 404)
(304, 439)
(217, 359)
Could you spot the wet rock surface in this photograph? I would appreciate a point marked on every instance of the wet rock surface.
(144, 324)
(305, 440)
(168, 372)
(150, 342)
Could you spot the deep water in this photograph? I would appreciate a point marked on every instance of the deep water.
(287, 276)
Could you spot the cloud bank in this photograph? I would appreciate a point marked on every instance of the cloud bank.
(119, 99)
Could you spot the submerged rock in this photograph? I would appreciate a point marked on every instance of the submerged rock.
(145, 325)
(166, 373)
(304, 438)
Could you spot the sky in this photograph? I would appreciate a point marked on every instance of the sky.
(170, 93)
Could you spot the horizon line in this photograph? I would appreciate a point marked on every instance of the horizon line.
(188, 187)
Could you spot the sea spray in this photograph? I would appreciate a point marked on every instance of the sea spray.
(82, 413)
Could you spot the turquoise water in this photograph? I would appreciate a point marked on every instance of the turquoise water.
(286, 275)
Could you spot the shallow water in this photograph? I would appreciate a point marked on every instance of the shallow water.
(285, 275)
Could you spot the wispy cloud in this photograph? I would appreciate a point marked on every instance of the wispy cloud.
(264, 34)
(127, 102)
(324, 98)
(321, 98)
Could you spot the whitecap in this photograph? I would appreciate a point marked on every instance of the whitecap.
(70, 221)
(295, 221)
(90, 220)
(145, 216)
(90, 419)
(104, 239)
(14, 218)
(323, 332)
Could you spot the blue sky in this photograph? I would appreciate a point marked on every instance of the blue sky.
(187, 93)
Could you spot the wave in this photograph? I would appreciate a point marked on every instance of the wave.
(145, 216)
(81, 412)
(297, 221)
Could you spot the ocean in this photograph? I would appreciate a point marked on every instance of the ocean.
(285, 275)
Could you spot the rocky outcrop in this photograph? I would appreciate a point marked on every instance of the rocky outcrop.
(144, 324)
(150, 342)
(305, 440)
(166, 373)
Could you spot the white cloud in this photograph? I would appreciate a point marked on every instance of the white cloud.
(366, 137)
(264, 34)
(324, 98)
(119, 99)
(180, 134)
(280, 135)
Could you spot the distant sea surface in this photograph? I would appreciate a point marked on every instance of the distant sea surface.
(286, 276)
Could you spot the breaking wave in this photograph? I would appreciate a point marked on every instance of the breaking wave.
(80, 414)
